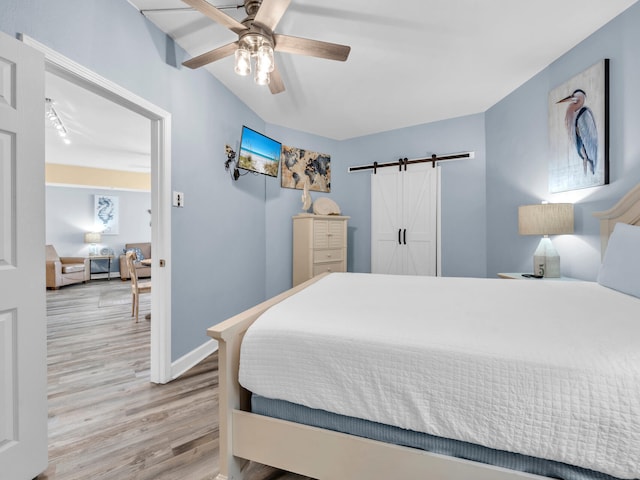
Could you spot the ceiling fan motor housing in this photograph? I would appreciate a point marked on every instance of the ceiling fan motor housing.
(255, 37)
(252, 6)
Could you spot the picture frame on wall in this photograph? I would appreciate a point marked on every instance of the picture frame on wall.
(579, 130)
(301, 166)
(106, 214)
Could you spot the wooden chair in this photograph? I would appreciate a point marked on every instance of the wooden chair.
(136, 287)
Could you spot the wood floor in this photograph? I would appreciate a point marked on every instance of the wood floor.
(106, 420)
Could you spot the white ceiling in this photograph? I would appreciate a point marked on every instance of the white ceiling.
(411, 62)
(430, 60)
(102, 133)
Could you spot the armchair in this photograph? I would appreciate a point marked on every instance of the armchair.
(65, 270)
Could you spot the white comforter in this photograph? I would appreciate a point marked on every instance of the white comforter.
(548, 369)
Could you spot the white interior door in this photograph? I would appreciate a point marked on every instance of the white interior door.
(23, 348)
(386, 228)
(420, 188)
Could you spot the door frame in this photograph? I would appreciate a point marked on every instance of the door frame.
(160, 194)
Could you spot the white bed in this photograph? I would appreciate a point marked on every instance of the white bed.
(555, 374)
(521, 366)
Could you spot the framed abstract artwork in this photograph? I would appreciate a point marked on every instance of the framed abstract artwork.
(302, 166)
(579, 131)
(106, 214)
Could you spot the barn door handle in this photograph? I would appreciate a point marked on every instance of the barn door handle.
(405, 236)
(399, 233)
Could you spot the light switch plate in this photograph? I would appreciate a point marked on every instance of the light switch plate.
(178, 199)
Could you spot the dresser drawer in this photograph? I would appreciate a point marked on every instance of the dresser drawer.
(320, 256)
(328, 267)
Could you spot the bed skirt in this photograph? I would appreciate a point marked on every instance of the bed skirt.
(389, 434)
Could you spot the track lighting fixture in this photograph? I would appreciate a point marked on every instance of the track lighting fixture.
(56, 121)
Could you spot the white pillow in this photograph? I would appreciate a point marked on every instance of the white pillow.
(620, 269)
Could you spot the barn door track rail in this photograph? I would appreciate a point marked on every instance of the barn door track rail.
(404, 162)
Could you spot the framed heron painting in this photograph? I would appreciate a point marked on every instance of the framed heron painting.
(579, 131)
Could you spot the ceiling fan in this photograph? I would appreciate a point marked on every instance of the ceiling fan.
(257, 41)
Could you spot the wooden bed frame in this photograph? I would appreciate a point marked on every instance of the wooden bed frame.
(627, 210)
(328, 455)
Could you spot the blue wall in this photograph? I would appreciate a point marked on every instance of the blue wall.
(282, 203)
(463, 194)
(70, 213)
(517, 146)
(232, 241)
(218, 242)
(463, 189)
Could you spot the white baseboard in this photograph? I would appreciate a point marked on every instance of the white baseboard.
(191, 359)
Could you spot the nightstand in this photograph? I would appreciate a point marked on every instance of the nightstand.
(518, 276)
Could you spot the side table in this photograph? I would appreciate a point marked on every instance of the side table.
(519, 276)
(108, 258)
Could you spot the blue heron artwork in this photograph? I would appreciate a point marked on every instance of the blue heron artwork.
(578, 131)
(582, 129)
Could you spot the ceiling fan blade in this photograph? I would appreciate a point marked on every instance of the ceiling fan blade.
(270, 13)
(212, 55)
(312, 48)
(216, 15)
(276, 85)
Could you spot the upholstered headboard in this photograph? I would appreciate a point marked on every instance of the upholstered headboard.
(627, 210)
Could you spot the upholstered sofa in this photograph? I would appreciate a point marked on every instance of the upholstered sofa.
(65, 270)
(143, 271)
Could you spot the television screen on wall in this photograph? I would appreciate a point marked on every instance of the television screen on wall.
(259, 153)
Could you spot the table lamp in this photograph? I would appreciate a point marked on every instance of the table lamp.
(93, 238)
(546, 219)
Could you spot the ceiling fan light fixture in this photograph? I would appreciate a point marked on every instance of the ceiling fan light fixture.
(256, 35)
(265, 60)
(243, 62)
(262, 78)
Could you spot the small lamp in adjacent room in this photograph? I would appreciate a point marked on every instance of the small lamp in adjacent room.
(93, 238)
(546, 219)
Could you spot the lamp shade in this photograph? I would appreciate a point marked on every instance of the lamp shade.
(545, 219)
(92, 237)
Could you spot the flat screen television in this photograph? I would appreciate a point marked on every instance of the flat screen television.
(259, 153)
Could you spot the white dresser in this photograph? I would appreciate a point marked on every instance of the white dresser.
(319, 245)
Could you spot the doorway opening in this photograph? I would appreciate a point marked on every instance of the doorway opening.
(160, 163)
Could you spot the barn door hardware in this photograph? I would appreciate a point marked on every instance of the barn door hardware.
(404, 162)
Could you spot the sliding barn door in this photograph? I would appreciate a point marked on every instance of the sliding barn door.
(404, 220)
(420, 189)
(386, 222)
(23, 347)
